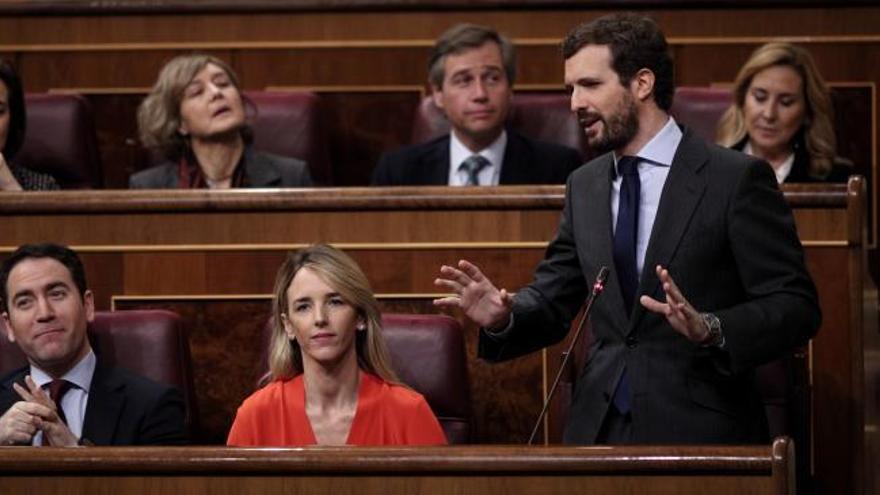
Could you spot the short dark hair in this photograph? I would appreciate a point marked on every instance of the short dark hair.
(17, 115)
(61, 254)
(462, 37)
(636, 43)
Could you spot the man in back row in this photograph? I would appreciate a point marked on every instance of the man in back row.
(471, 73)
(66, 396)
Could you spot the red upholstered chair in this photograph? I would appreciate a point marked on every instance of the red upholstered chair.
(701, 108)
(290, 124)
(542, 116)
(60, 140)
(427, 352)
(151, 343)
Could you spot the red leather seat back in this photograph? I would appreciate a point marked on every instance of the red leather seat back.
(542, 116)
(701, 108)
(60, 140)
(428, 354)
(290, 124)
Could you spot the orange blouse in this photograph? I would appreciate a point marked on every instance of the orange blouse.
(386, 415)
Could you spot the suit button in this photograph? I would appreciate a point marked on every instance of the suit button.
(631, 342)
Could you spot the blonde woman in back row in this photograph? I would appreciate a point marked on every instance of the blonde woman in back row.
(782, 113)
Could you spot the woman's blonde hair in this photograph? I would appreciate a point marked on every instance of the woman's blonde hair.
(343, 274)
(817, 131)
(159, 114)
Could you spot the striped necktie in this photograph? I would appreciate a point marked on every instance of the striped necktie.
(473, 165)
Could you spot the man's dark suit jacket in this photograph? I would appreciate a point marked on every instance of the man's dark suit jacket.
(526, 161)
(123, 408)
(728, 238)
(261, 170)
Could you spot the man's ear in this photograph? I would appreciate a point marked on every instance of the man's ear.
(642, 84)
(89, 305)
(7, 326)
(437, 96)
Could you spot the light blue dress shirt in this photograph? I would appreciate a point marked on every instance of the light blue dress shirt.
(490, 175)
(74, 402)
(655, 160)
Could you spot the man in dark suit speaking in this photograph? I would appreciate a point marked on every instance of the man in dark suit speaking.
(672, 360)
(471, 72)
(66, 396)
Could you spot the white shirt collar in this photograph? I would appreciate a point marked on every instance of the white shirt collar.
(458, 152)
(784, 169)
(660, 150)
(80, 375)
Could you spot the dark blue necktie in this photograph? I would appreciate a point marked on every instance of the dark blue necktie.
(625, 237)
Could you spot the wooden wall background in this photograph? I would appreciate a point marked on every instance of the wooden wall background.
(212, 255)
(370, 65)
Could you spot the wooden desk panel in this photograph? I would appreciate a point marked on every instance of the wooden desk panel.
(441, 470)
(212, 255)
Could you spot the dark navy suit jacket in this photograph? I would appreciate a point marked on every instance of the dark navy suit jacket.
(526, 161)
(727, 236)
(123, 408)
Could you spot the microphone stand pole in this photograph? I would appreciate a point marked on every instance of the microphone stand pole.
(598, 287)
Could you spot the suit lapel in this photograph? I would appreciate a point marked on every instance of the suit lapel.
(106, 399)
(437, 163)
(8, 395)
(595, 208)
(514, 167)
(681, 194)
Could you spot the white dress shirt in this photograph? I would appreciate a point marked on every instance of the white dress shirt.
(655, 160)
(74, 402)
(458, 153)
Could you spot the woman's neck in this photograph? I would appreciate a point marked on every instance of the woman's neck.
(334, 387)
(218, 159)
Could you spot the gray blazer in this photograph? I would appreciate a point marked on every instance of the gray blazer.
(728, 238)
(261, 169)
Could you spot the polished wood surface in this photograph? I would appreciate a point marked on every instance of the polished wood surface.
(212, 255)
(202, 6)
(369, 65)
(707, 470)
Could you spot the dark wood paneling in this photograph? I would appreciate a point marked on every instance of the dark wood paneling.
(187, 27)
(381, 470)
(362, 126)
(226, 347)
(150, 248)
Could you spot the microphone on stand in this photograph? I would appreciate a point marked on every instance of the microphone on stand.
(598, 287)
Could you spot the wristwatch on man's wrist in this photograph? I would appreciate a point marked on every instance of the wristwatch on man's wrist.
(715, 338)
